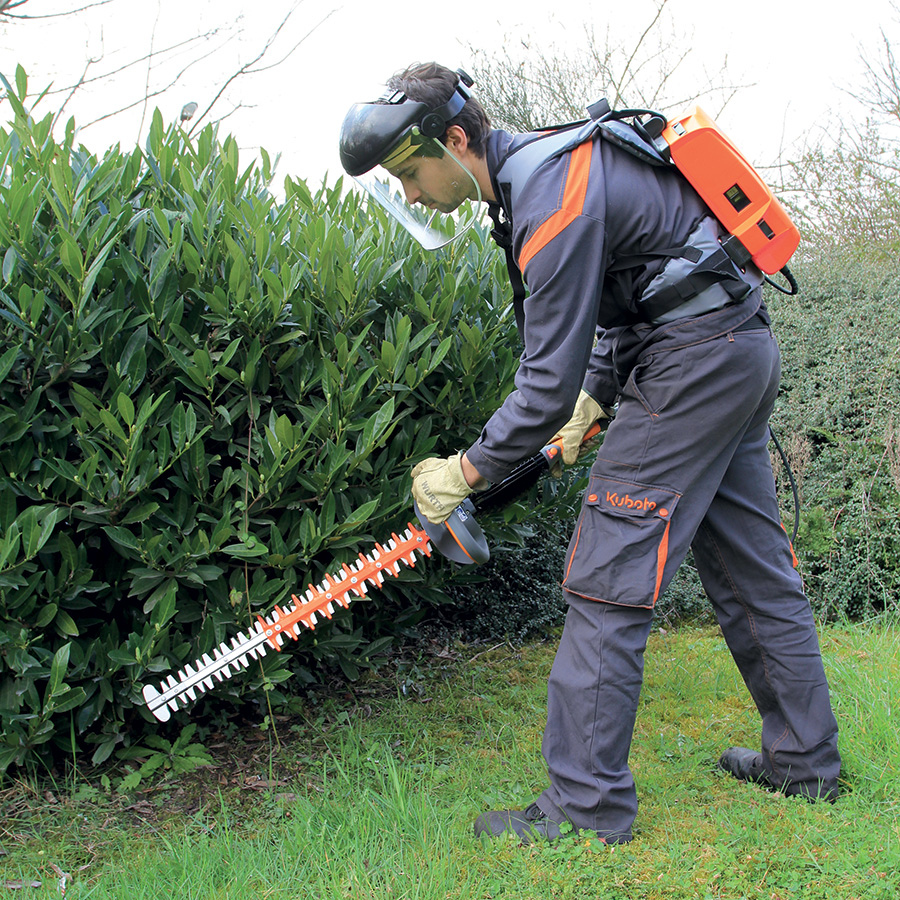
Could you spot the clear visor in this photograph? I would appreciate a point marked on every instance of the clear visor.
(425, 188)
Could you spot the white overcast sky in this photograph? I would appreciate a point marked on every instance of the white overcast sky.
(796, 56)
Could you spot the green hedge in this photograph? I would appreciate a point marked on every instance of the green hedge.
(208, 400)
(838, 416)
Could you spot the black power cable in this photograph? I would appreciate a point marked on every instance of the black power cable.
(789, 277)
(793, 483)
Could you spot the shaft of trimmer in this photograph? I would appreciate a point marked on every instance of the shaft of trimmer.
(523, 476)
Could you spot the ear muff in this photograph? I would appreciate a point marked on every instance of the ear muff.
(433, 125)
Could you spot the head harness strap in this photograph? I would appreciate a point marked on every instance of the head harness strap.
(434, 123)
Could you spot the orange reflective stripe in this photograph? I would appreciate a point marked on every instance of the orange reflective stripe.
(572, 204)
(661, 556)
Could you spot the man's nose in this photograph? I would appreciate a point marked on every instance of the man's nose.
(412, 192)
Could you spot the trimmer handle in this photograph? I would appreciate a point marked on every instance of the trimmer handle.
(524, 475)
(460, 537)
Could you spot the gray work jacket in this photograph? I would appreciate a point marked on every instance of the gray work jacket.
(577, 215)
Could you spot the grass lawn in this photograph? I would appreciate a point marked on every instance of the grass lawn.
(372, 795)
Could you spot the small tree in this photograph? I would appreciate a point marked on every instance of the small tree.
(542, 83)
(845, 184)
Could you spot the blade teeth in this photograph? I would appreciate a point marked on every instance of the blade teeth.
(352, 581)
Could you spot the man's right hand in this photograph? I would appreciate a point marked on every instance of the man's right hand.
(587, 411)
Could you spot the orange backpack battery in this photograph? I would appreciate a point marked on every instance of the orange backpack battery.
(732, 189)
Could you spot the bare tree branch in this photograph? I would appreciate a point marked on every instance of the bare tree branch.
(154, 93)
(171, 49)
(6, 5)
(58, 115)
(627, 71)
(149, 70)
(882, 91)
(247, 68)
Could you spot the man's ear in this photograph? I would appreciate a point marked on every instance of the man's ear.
(456, 140)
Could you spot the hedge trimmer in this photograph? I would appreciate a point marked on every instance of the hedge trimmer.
(459, 538)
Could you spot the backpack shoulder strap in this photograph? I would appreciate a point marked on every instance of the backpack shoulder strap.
(625, 136)
(522, 162)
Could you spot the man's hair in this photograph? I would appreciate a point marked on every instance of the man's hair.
(434, 85)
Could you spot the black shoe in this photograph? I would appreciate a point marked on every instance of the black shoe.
(743, 764)
(747, 765)
(528, 825)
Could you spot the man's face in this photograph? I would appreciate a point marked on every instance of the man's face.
(439, 183)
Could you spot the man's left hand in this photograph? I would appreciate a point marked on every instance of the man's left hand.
(439, 486)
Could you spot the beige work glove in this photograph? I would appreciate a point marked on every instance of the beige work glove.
(587, 411)
(439, 486)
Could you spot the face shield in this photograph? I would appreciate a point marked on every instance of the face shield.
(425, 188)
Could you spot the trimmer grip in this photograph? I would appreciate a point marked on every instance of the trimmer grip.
(460, 538)
(552, 451)
(524, 475)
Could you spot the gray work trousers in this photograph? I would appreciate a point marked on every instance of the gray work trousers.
(685, 464)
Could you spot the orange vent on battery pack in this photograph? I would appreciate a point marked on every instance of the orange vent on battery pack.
(732, 189)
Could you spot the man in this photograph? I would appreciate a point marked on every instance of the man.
(685, 350)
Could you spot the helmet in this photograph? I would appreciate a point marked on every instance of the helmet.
(371, 130)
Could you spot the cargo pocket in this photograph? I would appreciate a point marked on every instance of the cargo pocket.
(620, 547)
